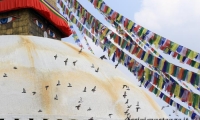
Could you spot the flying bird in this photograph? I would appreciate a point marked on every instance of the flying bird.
(103, 57)
(80, 51)
(126, 111)
(40, 111)
(5, 75)
(56, 98)
(84, 89)
(24, 91)
(15, 67)
(66, 61)
(69, 85)
(169, 115)
(74, 62)
(94, 89)
(89, 109)
(55, 56)
(164, 107)
(126, 102)
(137, 108)
(116, 65)
(92, 66)
(110, 115)
(137, 104)
(124, 94)
(78, 106)
(58, 83)
(91, 118)
(173, 111)
(46, 87)
(128, 88)
(124, 86)
(97, 70)
(80, 100)
(129, 106)
(34, 93)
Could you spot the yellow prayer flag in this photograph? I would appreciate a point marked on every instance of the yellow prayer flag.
(189, 76)
(157, 40)
(177, 90)
(174, 47)
(144, 31)
(158, 93)
(160, 82)
(196, 65)
(145, 56)
(192, 54)
(161, 64)
(146, 73)
(130, 25)
(119, 17)
(108, 11)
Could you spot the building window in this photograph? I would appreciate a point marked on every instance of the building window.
(16, 119)
(1, 119)
(30, 118)
(45, 119)
(59, 119)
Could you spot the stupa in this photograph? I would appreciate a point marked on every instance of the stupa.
(47, 79)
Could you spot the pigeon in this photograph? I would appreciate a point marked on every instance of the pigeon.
(78, 106)
(137, 104)
(164, 107)
(58, 83)
(126, 102)
(116, 65)
(97, 70)
(34, 93)
(66, 61)
(91, 118)
(124, 94)
(55, 56)
(126, 111)
(69, 85)
(92, 66)
(24, 91)
(40, 111)
(128, 88)
(140, 85)
(129, 106)
(80, 51)
(103, 57)
(128, 117)
(89, 109)
(84, 89)
(137, 108)
(74, 62)
(110, 115)
(5, 75)
(56, 98)
(80, 100)
(46, 87)
(14, 67)
(124, 86)
(94, 89)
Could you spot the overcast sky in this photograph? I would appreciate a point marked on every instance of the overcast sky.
(176, 20)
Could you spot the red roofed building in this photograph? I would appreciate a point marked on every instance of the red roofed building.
(32, 17)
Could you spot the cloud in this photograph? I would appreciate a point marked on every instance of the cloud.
(177, 20)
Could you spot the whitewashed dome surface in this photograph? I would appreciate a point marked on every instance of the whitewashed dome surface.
(36, 68)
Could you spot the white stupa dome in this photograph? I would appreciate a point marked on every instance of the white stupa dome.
(36, 68)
